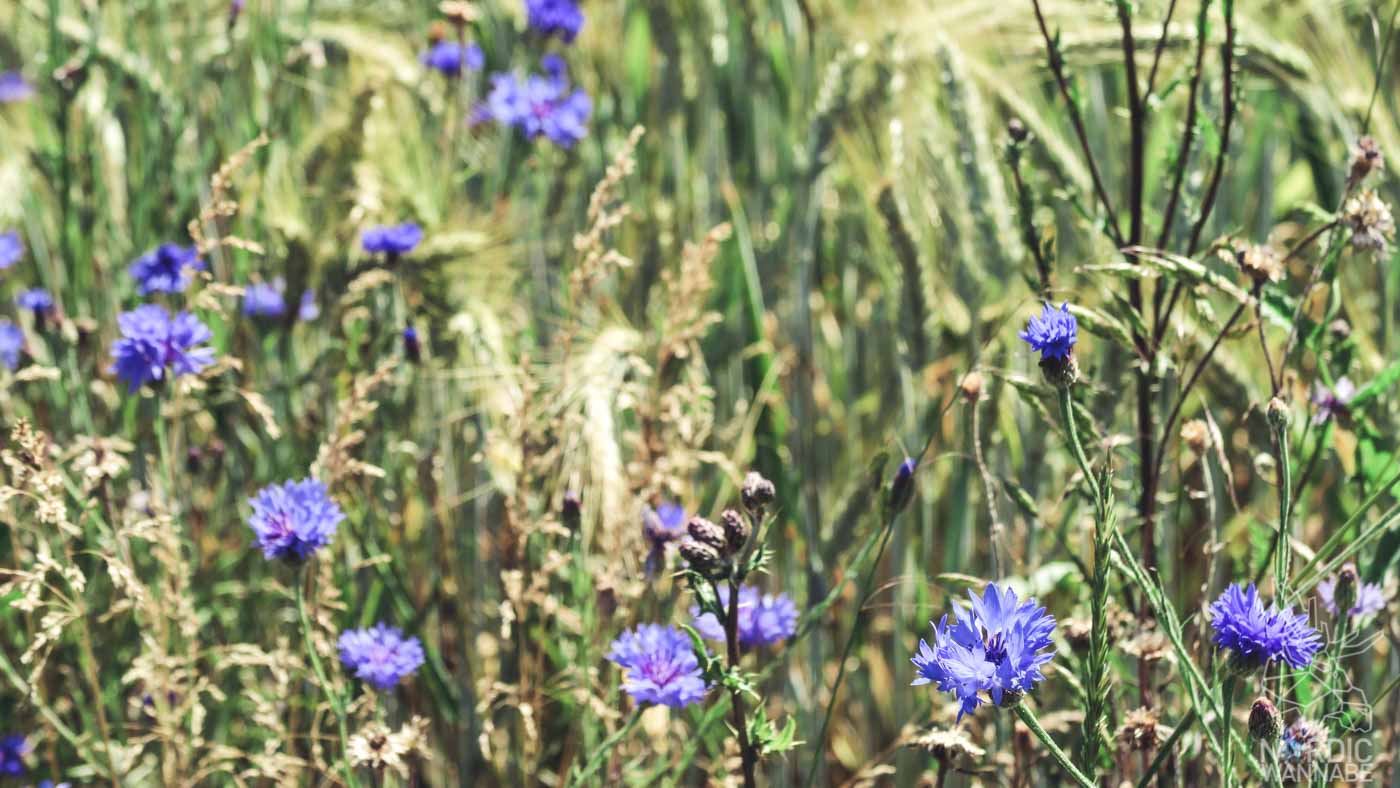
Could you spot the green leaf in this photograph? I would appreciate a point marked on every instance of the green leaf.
(1378, 385)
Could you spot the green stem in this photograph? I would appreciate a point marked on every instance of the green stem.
(1284, 551)
(337, 706)
(1227, 702)
(605, 747)
(1028, 717)
(1165, 750)
(1067, 416)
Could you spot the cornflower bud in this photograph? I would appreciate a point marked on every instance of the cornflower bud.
(902, 488)
(736, 529)
(1344, 595)
(571, 510)
(1278, 413)
(707, 533)
(1265, 721)
(704, 559)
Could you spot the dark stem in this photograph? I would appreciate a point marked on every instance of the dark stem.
(741, 727)
(1161, 45)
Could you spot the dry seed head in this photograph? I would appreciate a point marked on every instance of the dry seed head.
(948, 745)
(1261, 263)
(1371, 222)
(757, 491)
(1140, 731)
(1196, 434)
(972, 386)
(1366, 158)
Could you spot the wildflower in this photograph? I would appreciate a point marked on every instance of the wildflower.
(997, 647)
(1304, 743)
(764, 619)
(450, 57)
(308, 310)
(379, 748)
(1370, 220)
(1265, 722)
(1140, 731)
(13, 87)
(392, 240)
(265, 299)
(155, 346)
(35, 299)
(660, 527)
(948, 745)
(555, 17)
(1260, 262)
(659, 665)
(11, 343)
(538, 106)
(166, 269)
(902, 488)
(11, 249)
(380, 655)
(1053, 333)
(757, 492)
(1365, 158)
(294, 519)
(1258, 635)
(411, 346)
(1334, 401)
(1367, 598)
(13, 750)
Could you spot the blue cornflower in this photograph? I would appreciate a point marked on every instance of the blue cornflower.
(539, 106)
(450, 58)
(292, 520)
(166, 269)
(13, 87)
(11, 249)
(155, 345)
(11, 343)
(13, 750)
(661, 526)
(659, 666)
(1334, 401)
(764, 619)
(555, 17)
(1259, 635)
(412, 347)
(1303, 743)
(265, 299)
(308, 309)
(391, 240)
(902, 488)
(36, 299)
(997, 646)
(1053, 333)
(1370, 598)
(380, 655)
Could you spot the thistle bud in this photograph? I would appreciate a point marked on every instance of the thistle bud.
(571, 510)
(1344, 595)
(1278, 413)
(703, 559)
(902, 488)
(757, 491)
(1017, 130)
(707, 533)
(736, 529)
(1265, 722)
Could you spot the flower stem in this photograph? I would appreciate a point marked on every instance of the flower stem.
(1028, 717)
(1283, 550)
(595, 762)
(1227, 702)
(337, 706)
(741, 727)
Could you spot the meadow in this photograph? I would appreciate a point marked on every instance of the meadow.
(702, 392)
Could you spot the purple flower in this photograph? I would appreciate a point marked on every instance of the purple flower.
(292, 520)
(13, 87)
(11, 249)
(659, 665)
(155, 346)
(1370, 598)
(997, 646)
(1332, 402)
(555, 17)
(764, 619)
(391, 240)
(11, 343)
(380, 655)
(1259, 635)
(539, 106)
(166, 269)
(14, 748)
(661, 526)
(308, 310)
(265, 299)
(411, 346)
(1053, 333)
(36, 299)
(450, 58)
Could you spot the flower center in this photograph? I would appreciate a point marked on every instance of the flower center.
(996, 649)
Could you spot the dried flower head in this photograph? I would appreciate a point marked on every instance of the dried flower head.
(1257, 635)
(764, 619)
(948, 745)
(1149, 646)
(659, 665)
(997, 647)
(379, 749)
(380, 655)
(459, 12)
(972, 387)
(1371, 222)
(1140, 731)
(1196, 434)
(1260, 262)
(757, 492)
